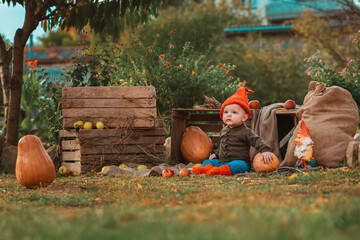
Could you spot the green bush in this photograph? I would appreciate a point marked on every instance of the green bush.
(273, 71)
(180, 79)
(199, 24)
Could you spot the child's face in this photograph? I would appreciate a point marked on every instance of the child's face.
(234, 115)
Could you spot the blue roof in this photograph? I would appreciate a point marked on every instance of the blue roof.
(261, 28)
(293, 8)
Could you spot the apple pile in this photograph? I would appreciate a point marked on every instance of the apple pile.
(167, 172)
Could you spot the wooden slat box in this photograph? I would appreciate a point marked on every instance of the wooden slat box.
(93, 149)
(207, 120)
(128, 113)
(116, 107)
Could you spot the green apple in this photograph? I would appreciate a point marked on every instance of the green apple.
(197, 165)
(123, 166)
(105, 168)
(63, 170)
(141, 167)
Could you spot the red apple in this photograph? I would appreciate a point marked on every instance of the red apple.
(184, 172)
(290, 104)
(167, 172)
(254, 104)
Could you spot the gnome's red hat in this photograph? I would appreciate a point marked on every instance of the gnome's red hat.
(303, 129)
(240, 97)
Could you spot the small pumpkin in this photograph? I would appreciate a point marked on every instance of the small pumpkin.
(34, 167)
(195, 145)
(261, 167)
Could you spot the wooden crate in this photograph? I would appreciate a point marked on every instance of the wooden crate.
(128, 113)
(207, 120)
(93, 149)
(116, 107)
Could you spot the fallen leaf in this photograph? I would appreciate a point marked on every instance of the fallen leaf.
(345, 169)
(172, 203)
(144, 202)
(293, 176)
(139, 185)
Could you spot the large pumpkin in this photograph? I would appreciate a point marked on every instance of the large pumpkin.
(195, 145)
(34, 166)
(261, 167)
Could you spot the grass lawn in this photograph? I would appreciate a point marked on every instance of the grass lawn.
(315, 205)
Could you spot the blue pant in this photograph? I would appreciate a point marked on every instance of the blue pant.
(236, 166)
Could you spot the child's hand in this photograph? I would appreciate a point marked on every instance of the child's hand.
(212, 156)
(267, 157)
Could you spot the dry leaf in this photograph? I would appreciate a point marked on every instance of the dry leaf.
(139, 185)
(144, 202)
(345, 169)
(293, 176)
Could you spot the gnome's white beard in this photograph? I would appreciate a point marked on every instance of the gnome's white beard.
(304, 148)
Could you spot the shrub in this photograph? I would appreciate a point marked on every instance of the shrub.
(274, 71)
(180, 74)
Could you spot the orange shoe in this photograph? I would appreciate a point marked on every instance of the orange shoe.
(202, 170)
(223, 170)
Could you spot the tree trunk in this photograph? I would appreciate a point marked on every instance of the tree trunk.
(5, 59)
(16, 79)
(16, 82)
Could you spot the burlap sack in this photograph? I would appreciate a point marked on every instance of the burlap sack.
(332, 117)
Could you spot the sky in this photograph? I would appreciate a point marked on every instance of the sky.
(12, 18)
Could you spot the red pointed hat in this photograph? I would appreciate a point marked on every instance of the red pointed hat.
(303, 129)
(240, 97)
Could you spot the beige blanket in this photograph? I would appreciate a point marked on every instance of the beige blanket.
(266, 128)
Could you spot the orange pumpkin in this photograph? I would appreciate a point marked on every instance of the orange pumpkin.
(261, 167)
(195, 145)
(34, 166)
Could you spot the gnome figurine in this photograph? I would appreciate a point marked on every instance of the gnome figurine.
(304, 148)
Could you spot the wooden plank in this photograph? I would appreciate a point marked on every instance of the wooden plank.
(70, 145)
(253, 118)
(124, 140)
(73, 167)
(121, 132)
(110, 112)
(117, 159)
(67, 134)
(208, 127)
(195, 110)
(96, 162)
(178, 125)
(114, 122)
(352, 153)
(109, 103)
(70, 156)
(205, 117)
(152, 149)
(287, 112)
(109, 92)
